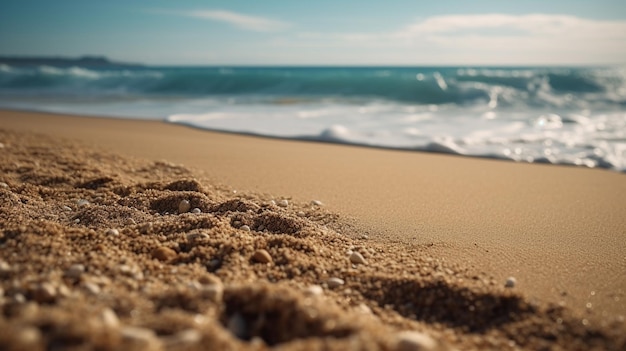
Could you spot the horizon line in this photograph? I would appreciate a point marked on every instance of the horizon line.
(295, 65)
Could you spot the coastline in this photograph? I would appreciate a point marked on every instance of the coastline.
(558, 230)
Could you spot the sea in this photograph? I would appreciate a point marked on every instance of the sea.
(554, 115)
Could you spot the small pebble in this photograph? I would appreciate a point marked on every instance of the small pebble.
(109, 318)
(414, 341)
(4, 268)
(300, 214)
(196, 210)
(19, 298)
(283, 203)
(313, 290)
(63, 290)
(184, 206)
(357, 258)
(261, 256)
(45, 293)
(335, 282)
(75, 271)
(125, 269)
(113, 232)
(82, 202)
(364, 309)
(92, 288)
(164, 253)
(1, 146)
(77, 220)
(316, 203)
(66, 208)
(245, 228)
(4, 185)
(510, 282)
(200, 320)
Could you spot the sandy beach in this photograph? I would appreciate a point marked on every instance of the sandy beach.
(128, 234)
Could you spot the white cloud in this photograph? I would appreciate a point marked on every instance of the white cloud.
(524, 25)
(536, 36)
(484, 39)
(248, 22)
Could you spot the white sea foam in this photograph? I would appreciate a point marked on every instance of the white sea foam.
(83, 72)
(51, 70)
(335, 133)
(71, 71)
(590, 141)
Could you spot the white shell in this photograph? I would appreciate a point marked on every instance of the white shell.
(335, 282)
(414, 341)
(82, 202)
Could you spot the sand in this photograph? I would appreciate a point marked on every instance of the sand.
(439, 236)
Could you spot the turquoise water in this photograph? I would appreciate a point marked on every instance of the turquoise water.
(560, 115)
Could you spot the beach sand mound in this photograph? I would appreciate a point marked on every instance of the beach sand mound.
(99, 251)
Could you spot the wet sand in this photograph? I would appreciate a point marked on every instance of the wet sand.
(439, 235)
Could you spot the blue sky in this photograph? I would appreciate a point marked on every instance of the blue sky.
(321, 32)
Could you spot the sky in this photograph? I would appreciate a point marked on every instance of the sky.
(321, 32)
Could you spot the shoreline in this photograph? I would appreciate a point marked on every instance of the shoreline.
(558, 230)
(436, 149)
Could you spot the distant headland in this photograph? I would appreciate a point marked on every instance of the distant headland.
(83, 61)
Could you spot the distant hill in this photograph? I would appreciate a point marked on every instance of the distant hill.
(84, 61)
